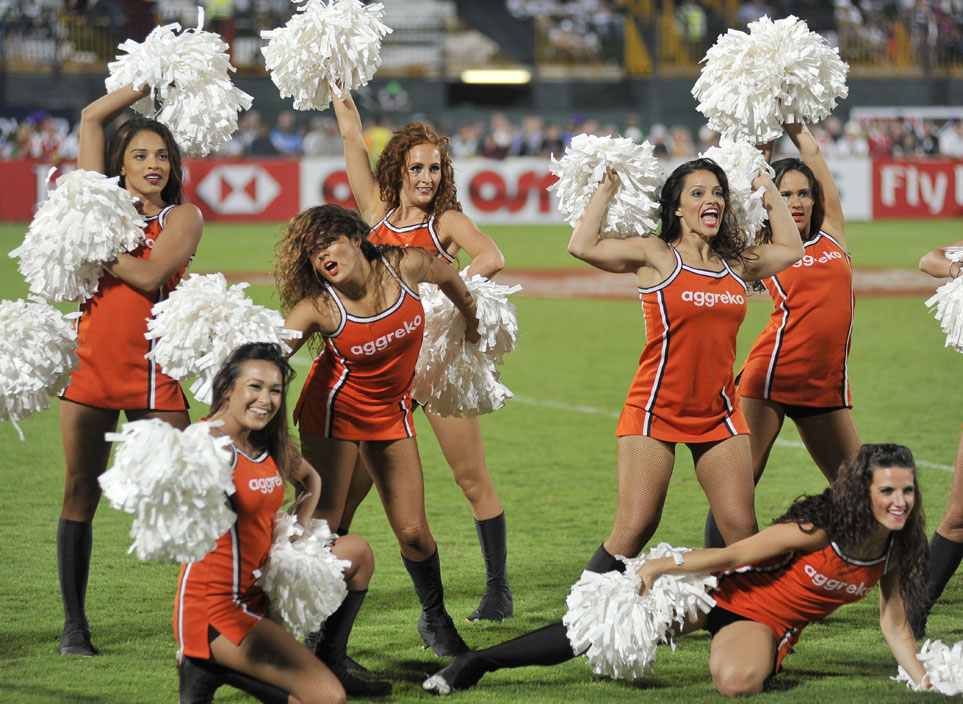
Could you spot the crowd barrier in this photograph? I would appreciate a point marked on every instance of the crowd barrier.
(514, 191)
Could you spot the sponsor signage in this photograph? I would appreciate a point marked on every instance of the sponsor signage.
(917, 189)
(248, 190)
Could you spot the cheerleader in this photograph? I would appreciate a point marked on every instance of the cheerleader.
(411, 201)
(113, 375)
(356, 401)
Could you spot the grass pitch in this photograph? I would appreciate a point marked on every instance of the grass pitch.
(551, 452)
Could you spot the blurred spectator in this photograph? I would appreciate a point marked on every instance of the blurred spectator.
(262, 144)
(951, 140)
(853, 142)
(467, 140)
(707, 138)
(393, 98)
(286, 137)
(929, 144)
(692, 25)
(323, 138)
(376, 136)
(528, 141)
(658, 138)
(501, 135)
(631, 128)
(750, 12)
(683, 146)
(553, 143)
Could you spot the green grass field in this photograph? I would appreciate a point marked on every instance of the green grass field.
(551, 452)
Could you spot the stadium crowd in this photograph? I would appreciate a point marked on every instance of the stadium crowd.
(47, 138)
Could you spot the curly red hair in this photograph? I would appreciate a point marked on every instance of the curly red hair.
(390, 169)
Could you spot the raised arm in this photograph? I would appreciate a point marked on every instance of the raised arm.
(95, 117)
(812, 156)
(768, 259)
(896, 628)
(619, 256)
(486, 257)
(776, 540)
(182, 232)
(418, 266)
(363, 184)
(936, 264)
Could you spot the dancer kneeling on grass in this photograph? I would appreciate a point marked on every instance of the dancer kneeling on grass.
(356, 400)
(825, 551)
(219, 613)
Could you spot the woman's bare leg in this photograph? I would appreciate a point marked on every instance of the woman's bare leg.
(741, 658)
(334, 460)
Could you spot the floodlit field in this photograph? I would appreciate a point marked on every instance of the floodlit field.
(551, 452)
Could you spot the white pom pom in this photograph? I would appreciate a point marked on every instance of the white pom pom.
(947, 307)
(742, 162)
(202, 322)
(457, 378)
(175, 484)
(189, 76)
(36, 357)
(943, 665)
(324, 44)
(618, 630)
(303, 580)
(85, 222)
(634, 210)
(780, 72)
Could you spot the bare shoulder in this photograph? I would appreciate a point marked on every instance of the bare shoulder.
(185, 214)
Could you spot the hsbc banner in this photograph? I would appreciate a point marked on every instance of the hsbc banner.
(918, 189)
(244, 191)
(511, 191)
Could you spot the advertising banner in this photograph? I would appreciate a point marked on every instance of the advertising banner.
(918, 189)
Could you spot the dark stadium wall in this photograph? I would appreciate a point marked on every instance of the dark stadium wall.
(665, 100)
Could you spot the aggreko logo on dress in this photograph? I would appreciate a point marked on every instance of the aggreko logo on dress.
(381, 343)
(831, 585)
(704, 298)
(265, 484)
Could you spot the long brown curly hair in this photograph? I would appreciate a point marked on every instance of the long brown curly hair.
(390, 170)
(307, 232)
(845, 512)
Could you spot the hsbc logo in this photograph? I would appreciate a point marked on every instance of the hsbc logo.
(238, 189)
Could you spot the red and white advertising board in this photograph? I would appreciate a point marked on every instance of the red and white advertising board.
(510, 191)
(917, 189)
(245, 190)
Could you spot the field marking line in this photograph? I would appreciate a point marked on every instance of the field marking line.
(611, 414)
(591, 410)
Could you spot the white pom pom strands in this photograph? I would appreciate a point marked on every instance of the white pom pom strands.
(457, 378)
(618, 630)
(302, 579)
(323, 44)
(779, 72)
(175, 484)
(742, 162)
(85, 222)
(943, 665)
(189, 76)
(36, 357)
(947, 307)
(202, 322)
(634, 210)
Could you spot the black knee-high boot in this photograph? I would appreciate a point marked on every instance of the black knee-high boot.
(713, 538)
(603, 562)
(496, 603)
(945, 557)
(331, 648)
(546, 646)
(435, 625)
(74, 543)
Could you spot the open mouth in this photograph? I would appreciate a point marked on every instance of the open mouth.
(710, 216)
(798, 217)
(331, 267)
(153, 179)
(261, 413)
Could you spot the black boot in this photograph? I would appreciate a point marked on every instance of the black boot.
(331, 648)
(547, 646)
(713, 538)
(945, 557)
(603, 562)
(435, 625)
(496, 603)
(74, 542)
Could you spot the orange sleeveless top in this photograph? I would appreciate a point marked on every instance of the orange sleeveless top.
(421, 235)
(114, 372)
(683, 390)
